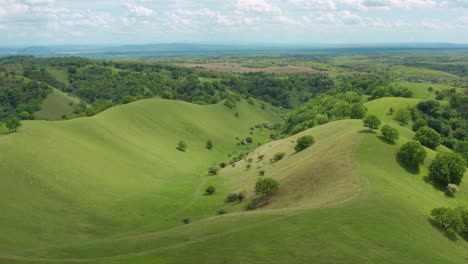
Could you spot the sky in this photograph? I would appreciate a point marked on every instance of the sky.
(58, 22)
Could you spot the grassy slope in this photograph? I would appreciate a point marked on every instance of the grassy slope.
(116, 172)
(386, 222)
(56, 105)
(420, 89)
(61, 75)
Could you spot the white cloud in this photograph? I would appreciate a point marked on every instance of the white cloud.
(286, 20)
(260, 6)
(139, 10)
(40, 2)
(350, 19)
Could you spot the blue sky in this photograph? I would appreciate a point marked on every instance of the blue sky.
(33, 22)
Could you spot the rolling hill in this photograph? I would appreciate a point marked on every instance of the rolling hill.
(121, 190)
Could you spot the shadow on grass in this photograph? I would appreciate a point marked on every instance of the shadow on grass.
(409, 169)
(447, 233)
(438, 186)
(386, 140)
(366, 131)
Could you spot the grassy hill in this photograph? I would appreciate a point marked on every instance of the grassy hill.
(56, 105)
(121, 190)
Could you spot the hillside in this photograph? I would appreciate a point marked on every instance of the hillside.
(56, 105)
(343, 200)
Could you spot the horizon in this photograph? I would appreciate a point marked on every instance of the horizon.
(321, 22)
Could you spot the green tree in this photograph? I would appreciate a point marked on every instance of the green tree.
(266, 186)
(304, 142)
(357, 111)
(447, 167)
(13, 124)
(210, 190)
(418, 124)
(428, 137)
(278, 156)
(182, 146)
(412, 154)
(403, 116)
(446, 219)
(209, 144)
(461, 147)
(389, 133)
(372, 122)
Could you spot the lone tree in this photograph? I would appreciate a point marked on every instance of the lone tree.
(209, 144)
(182, 146)
(266, 186)
(412, 154)
(389, 133)
(428, 137)
(447, 219)
(372, 122)
(12, 124)
(304, 142)
(447, 167)
(210, 190)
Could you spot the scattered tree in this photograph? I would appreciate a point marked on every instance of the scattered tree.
(412, 154)
(304, 142)
(213, 171)
(278, 156)
(447, 167)
(181, 146)
(357, 111)
(12, 124)
(418, 124)
(461, 147)
(389, 133)
(428, 137)
(266, 186)
(209, 144)
(403, 116)
(210, 190)
(446, 219)
(372, 122)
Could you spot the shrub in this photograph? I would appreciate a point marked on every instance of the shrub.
(451, 189)
(256, 202)
(222, 211)
(12, 124)
(461, 147)
(260, 157)
(186, 221)
(222, 165)
(181, 146)
(210, 190)
(240, 196)
(412, 154)
(278, 156)
(428, 137)
(209, 144)
(371, 122)
(446, 219)
(261, 173)
(213, 171)
(266, 186)
(389, 133)
(232, 197)
(403, 116)
(447, 167)
(249, 140)
(248, 166)
(304, 142)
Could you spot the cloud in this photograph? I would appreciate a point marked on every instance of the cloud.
(286, 20)
(138, 10)
(11, 8)
(40, 2)
(260, 6)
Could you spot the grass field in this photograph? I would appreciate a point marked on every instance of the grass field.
(55, 105)
(420, 89)
(238, 67)
(343, 200)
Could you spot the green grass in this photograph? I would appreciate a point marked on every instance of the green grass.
(61, 75)
(420, 89)
(56, 105)
(343, 200)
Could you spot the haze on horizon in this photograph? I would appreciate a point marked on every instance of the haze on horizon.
(55, 22)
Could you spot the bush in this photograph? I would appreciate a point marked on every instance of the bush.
(389, 133)
(222, 211)
(446, 219)
(181, 146)
(461, 147)
(451, 189)
(222, 165)
(213, 171)
(210, 190)
(372, 122)
(186, 221)
(209, 144)
(261, 173)
(428, 137)
(240, 196)
(304, 142)
(278, 156)
(266, 186)
(260, 157)
(403, 116)
(232, 197)
(447, 167)
(249, 140)
(412, 154)
(256, 202)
